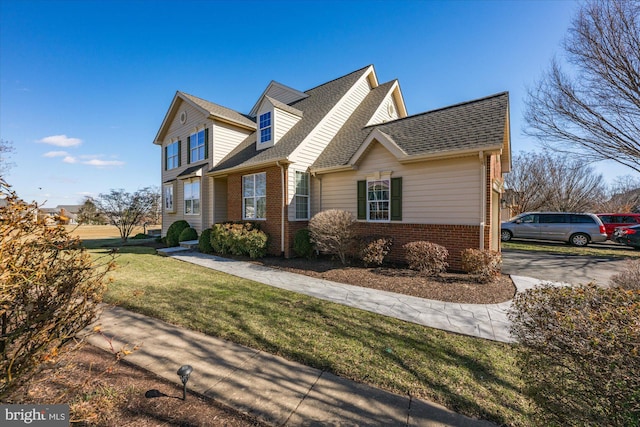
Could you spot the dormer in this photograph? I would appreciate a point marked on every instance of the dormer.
(279, 92)
(391, 108)
(274, 119)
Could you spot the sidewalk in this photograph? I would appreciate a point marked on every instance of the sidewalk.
(281, 392)
(487, 321)
(275, 390)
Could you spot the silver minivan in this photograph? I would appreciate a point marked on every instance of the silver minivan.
(579, 229)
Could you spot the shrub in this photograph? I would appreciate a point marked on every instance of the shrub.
(373, 249)
(239, 239)
(629, 277)
(426, 257)
(332, 232)
(140, 236)
(483, 264)
(579, 353)
(173, 233)
(204, 243)
(51, 290)
(187, 234)
(302, 245)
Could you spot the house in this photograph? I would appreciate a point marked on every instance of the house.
(346, 144)
(61, 214)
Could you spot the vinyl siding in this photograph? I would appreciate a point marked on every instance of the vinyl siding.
(225, 138)
(282, 94)
(282, 122)
(317, 141)
(382, 113)
(434, 192)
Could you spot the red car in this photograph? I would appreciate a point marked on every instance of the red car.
(613, 220)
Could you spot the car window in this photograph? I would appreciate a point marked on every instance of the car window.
(607, 219)
(628, 220)
(529, 219)
(552, 218)
(582, 219)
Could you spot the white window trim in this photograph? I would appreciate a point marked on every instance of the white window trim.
(307, 196)
(175, 157)
(190, 182)
(172, 207)
(254, 197)
(261, 128)
(378, 179)
(195, 148)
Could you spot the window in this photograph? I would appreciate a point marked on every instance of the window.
(192, 197)
(254, 196)
(552, 218)
(302, 195)
(197, 143)
(582, 219)
(168, 198)
(378, 200)
(265, 127)
(172, 156)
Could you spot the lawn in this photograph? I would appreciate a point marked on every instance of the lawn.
(472, 376)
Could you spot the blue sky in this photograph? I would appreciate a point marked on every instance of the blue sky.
(84, 85)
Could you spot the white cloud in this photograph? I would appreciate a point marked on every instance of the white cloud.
(61, 141)
(103, 163)
(70, 159)
(55, 154)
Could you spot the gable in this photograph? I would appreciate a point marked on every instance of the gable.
(279, 92)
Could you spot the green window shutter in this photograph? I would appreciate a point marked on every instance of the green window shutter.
(396, 199)
(179, 153)
(188, 149)
(206, 143)
(362, 199)
(166, 149)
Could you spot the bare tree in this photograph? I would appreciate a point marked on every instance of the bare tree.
(125, 210)
(6, 148)
(595, 111)
(88, 213)
(553, 182)
(624, 196)
(526, 183)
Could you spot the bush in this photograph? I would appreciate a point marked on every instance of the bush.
(187, 234)
(204, 243)
(140, 236)
(173, 233)
(373, 249)
(426, 257)
(302, 245)
(51, 290)
(332, 232)
(485, 265)
(579, 353)
(629, 277)
(239, 239)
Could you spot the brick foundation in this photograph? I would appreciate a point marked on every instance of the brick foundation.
(455, 238)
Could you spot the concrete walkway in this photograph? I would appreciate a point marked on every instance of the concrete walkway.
(270, 388)
(487, 321)
(280, 392)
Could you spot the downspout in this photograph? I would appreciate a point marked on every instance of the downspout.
(283, 206)
(483, 197)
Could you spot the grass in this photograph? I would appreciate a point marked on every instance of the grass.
(613, 251)
(475, 377)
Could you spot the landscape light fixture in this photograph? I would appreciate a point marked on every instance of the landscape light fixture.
(183, 373)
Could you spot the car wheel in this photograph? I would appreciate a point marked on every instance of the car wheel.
(579, 239)
(505, 235)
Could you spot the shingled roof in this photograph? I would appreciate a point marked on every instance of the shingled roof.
(473, 125)
(315, 107)
(220, 111)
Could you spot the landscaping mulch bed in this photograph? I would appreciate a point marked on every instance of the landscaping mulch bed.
(103, 392)
(448, 287)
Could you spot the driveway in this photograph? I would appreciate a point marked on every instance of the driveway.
(574, 269)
